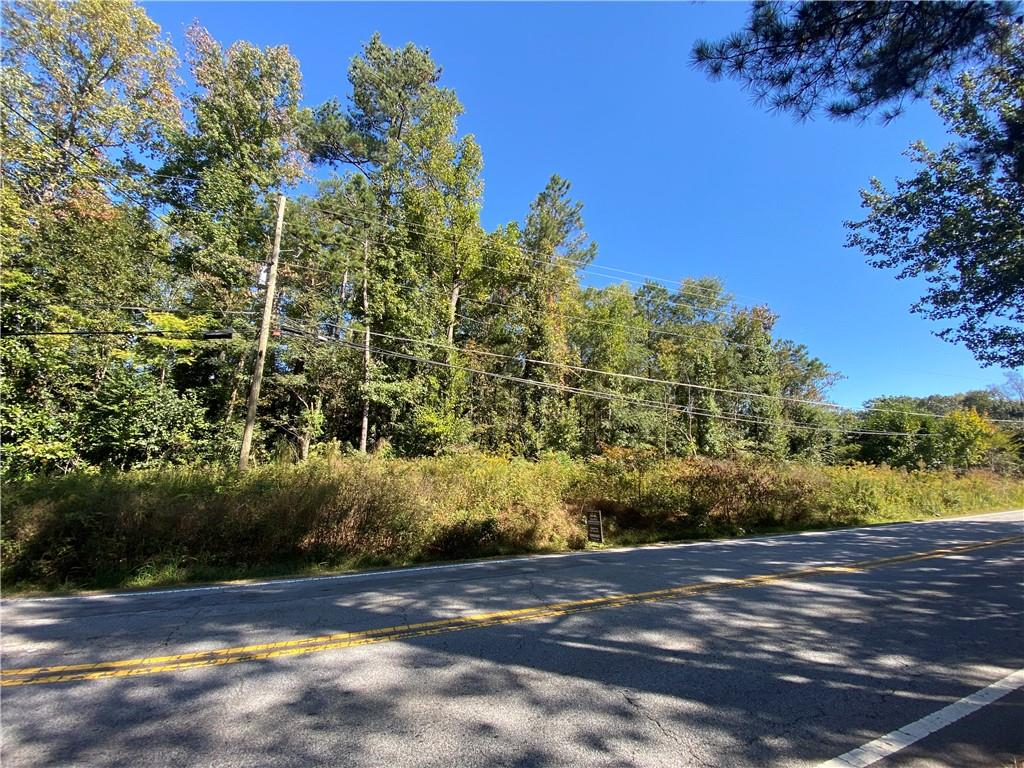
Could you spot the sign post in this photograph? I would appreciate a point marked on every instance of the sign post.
(595, 526)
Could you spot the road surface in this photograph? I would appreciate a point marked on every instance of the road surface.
(896, 644)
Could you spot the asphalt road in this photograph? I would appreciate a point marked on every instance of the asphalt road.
(774, 651)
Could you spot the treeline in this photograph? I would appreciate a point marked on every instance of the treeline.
(138, 215)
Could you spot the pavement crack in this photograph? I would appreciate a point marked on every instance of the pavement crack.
(634, 701)
(531, 587)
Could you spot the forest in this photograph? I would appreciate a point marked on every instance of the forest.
(139, 208)
(138, 217)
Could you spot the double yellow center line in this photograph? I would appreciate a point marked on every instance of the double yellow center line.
(301, 646)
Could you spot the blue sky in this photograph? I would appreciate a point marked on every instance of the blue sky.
(679, 176)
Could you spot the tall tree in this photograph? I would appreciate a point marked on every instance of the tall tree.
(87, 90)
(393, 92)
(554, 244)
(399, 133)
(443, 209)
(959, 223)
(805, 379)
(239, 147)
(710, 431)
(760, 411)
(853, 58)
(686, 345)
(608, 335)
(223, 165)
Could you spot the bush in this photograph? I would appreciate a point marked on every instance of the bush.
(106, 529)
(703, 497)
(179, 524)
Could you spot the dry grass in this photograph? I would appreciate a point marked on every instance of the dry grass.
(176, 525)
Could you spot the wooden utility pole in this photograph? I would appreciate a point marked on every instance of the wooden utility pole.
(261, 347)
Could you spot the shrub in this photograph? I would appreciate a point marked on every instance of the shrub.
(176, 524)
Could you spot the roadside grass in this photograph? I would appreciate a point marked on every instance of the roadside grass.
(336, 513)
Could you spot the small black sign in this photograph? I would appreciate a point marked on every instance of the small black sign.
(595, 526)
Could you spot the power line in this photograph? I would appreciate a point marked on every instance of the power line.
(642, 329)
(137, 308)
(582, 266)
(583, 369)
(516, 358)
(611, 396)
(177, 311)
(676, 334)
(666, 382)
(608, 395)
(226, 334)
(546, 259)
(582, 318)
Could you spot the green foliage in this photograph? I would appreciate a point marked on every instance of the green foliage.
(73, 268)
(908, 437)
(400, 327)
(855, 58)
(709, 432)
(761, 410)
(38, 438)
(239, 145)
(434, 431)
(132, 421)
(176, 524)
(88, 89)
(959, 222)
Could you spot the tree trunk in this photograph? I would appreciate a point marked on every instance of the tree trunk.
(453, 305)
(233, 398)
(365, 427)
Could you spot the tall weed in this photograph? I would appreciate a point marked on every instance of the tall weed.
(179, 524)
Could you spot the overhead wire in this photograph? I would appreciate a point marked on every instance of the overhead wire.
(722, 341)
(582, 318)
(653, 404)
(487, 353)
(105, 332)
(682, 291)
(138, 308)
(581, 265)
(652, 380)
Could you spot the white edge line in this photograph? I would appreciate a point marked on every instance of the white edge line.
(400, 571)
(894, 741)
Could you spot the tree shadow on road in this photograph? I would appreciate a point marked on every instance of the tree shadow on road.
(791, 672)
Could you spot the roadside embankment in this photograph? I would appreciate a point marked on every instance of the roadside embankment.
(169, 526)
